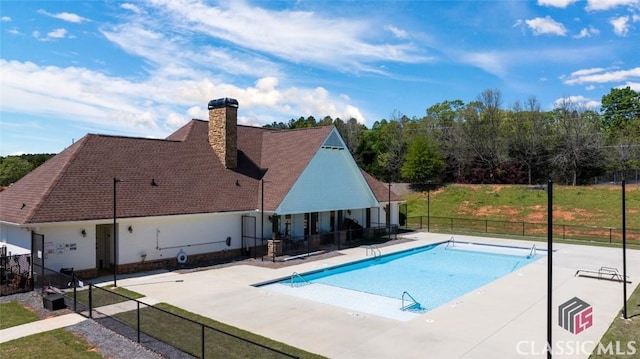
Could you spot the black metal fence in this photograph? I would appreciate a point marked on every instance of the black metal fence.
(282, 248)
(15, 273)
(525, 229)
(172, 335)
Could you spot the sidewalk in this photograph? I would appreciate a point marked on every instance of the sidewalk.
(40, 326)
(67, 320)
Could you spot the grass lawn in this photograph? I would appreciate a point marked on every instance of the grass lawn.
(623, 331)
(13, 314)
(186, 334)
(55, 344)
(598, 206)
(101, 297)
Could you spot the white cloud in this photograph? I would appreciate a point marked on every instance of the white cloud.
(5, 19)
(599, 5)
(635, 86)
(13, 31)
(52, 35)
(399, 33)
(65, 16)
(57, 34)
(556, 3)
(545, 26)
(590, 88)
(620, 25)
(287, 34)
(579, 101)
(132, 7)
(155, 106)
(599, 75)
(587, 32)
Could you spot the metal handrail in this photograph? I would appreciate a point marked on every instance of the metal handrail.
(295, 275)
(375, 251)
(412, 304)
(533, 251)
(451, 242)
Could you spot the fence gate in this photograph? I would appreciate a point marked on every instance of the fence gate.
(37, 259)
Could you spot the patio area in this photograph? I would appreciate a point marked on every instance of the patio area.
(505, 318)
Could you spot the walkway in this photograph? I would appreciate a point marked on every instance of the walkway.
(66, 320)
(40, 326)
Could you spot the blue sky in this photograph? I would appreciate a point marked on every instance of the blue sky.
(144, 68)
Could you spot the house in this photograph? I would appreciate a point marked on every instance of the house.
(211, 189)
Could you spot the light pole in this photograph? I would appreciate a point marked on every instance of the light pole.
(549, 263)
(262, 182)
(115, 233)
(389, 210)
(624, 253)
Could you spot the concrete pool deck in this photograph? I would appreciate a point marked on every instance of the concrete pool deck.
(503, 319)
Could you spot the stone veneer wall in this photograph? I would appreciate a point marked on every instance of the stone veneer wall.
(223, 134)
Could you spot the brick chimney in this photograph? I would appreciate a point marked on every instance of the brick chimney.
(223, 130)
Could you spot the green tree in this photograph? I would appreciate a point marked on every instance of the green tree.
(619, 108)
(12, 168)
(621, 123)
(423, 160)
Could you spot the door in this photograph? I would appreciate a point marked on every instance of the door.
(104, 246)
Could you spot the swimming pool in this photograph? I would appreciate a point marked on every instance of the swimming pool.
(432, 275)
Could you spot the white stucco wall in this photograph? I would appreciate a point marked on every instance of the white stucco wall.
(161, 238)
(64, 246)
(157, 237)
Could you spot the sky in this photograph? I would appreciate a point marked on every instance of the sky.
(145, 68)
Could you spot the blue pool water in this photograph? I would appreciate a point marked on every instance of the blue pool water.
(432, 275)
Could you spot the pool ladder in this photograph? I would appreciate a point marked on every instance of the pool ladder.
(412, 305)
(296, 280)
(374, 250)
(532, 253)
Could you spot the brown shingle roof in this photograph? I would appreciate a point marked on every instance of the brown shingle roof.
(77, 184)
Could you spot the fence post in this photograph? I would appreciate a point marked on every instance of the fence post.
(523, 229)
(609, 235)
(420, 222)
(202, 337)
(90, 301)
(138, 319)
(486, 226)
(451, 224)
(563, 231)
(75, 299)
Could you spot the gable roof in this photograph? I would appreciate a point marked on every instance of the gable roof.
(78, 183)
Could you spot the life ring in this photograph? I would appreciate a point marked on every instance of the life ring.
(182, 257)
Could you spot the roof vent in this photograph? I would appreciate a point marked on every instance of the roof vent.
(223, 102)
(333, 141)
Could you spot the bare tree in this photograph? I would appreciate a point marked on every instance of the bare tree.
(577, 142)
(529, 136)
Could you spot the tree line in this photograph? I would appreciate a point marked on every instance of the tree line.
(12, 168)
(477, 142)
(483, 142)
